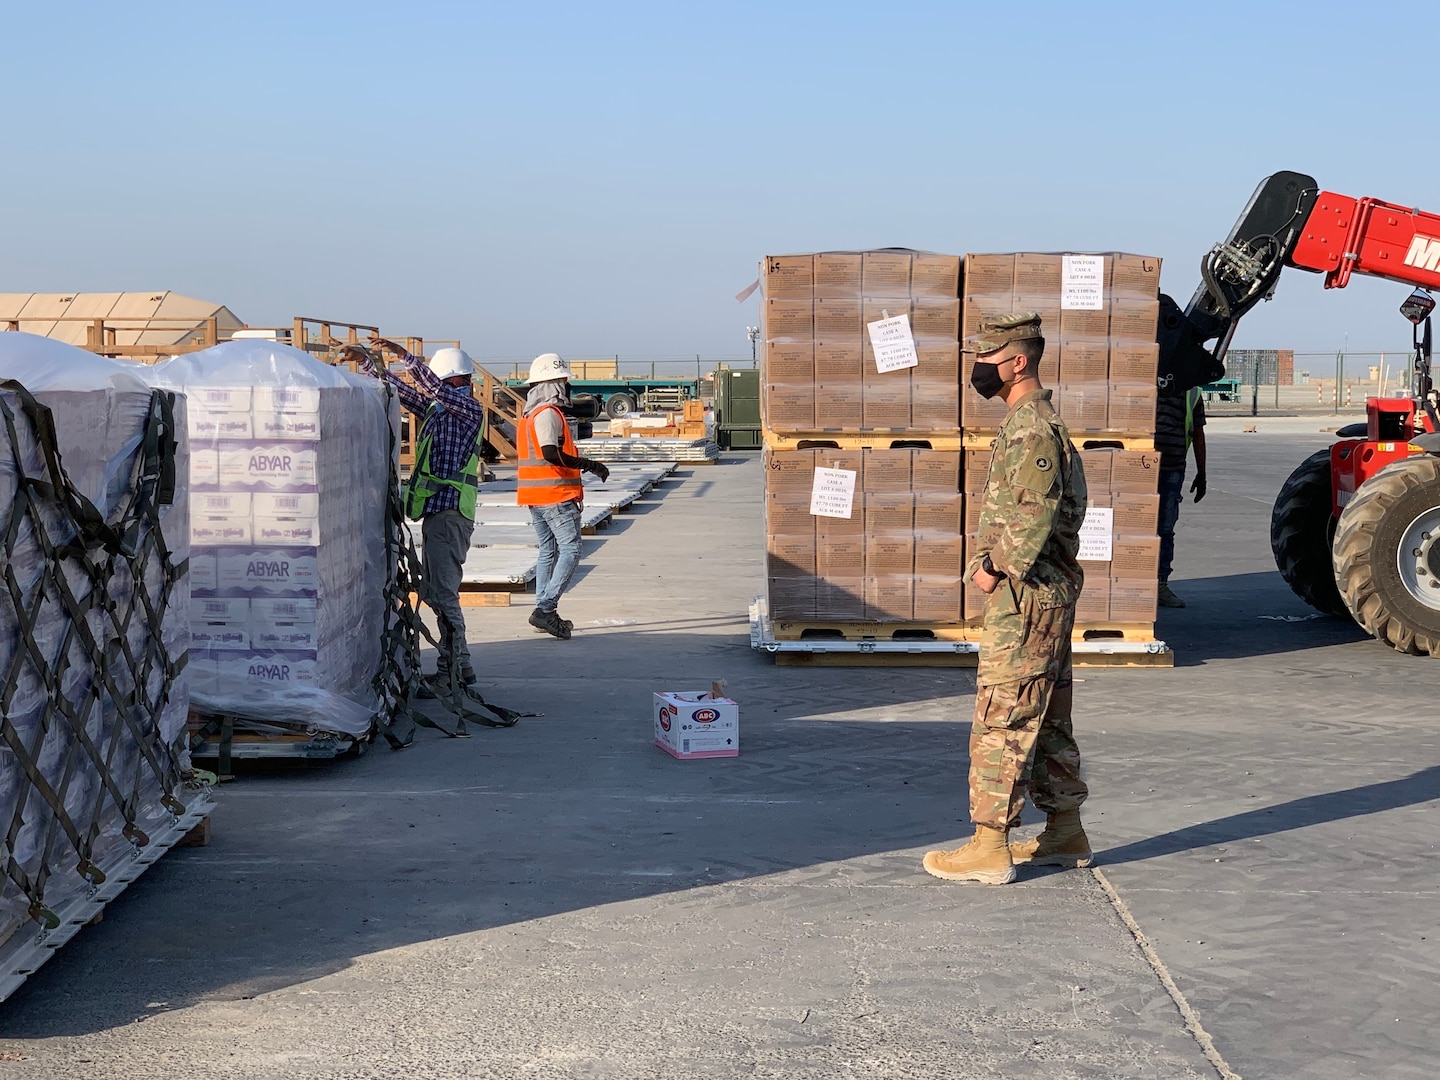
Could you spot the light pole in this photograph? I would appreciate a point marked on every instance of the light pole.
(753, 333)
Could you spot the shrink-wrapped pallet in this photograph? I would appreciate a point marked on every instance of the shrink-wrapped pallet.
(288, 532)
(94, 619)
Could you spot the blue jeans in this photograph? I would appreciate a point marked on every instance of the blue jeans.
(1172, 485)
(558, 527)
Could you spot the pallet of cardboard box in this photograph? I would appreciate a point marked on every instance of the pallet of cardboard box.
(898, 556)
(822, 379)
(885, 577)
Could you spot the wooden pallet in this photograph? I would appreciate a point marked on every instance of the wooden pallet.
(497, 594)
(984, 439)
(873, 440)
(875, 660)
(1100, 632)
(1164, 659)
(821, 631)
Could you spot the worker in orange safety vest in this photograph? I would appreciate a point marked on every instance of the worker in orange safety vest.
(550, 485)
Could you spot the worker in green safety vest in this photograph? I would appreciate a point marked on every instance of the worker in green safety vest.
(444, 484)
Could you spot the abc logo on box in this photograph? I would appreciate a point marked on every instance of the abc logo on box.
(705, 716)
(666, 714)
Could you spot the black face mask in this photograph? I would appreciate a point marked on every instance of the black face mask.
(986, 380)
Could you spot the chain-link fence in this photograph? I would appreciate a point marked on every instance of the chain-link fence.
(1258, 382)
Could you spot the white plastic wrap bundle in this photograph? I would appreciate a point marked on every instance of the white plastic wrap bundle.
(92, 684)
(289, 473)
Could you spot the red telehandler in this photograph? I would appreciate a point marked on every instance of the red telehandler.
(1356, 528)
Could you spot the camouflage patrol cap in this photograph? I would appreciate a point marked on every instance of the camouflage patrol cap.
(997, 331)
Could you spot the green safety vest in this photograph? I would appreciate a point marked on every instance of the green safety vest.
(425, 483)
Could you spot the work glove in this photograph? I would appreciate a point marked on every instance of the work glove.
(1197, 486)
(595, 468)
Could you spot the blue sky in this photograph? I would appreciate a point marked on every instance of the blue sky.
(602, 179)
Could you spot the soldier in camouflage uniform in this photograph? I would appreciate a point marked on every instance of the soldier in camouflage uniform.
(1024, 559)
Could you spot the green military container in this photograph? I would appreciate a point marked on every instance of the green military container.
(737, 410)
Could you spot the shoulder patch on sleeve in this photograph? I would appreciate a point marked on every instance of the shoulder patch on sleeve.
(1037, 466)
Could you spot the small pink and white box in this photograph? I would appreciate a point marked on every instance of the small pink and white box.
(697, 724)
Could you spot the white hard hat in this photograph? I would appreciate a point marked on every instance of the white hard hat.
(547, 367)
(448, 362)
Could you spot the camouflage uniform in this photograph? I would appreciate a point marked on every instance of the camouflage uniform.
(1021, 737)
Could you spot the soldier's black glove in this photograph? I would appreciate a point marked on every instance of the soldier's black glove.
(1197, 486)
(595, 468)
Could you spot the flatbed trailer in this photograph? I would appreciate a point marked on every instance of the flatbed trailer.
(616, 388)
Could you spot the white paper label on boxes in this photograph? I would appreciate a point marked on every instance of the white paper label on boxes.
(833, 493)
(1082, 283)
(893, 343)
(272, 465)
(1096, 534)
(285, 571)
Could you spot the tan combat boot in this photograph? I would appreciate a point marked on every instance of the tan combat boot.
(1063, 843)
(986, 859)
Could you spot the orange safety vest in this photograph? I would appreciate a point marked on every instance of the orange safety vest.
(543, 484)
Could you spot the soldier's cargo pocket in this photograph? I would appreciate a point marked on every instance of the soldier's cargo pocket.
(1003, 639)
(1013, 705)
(1047, 627)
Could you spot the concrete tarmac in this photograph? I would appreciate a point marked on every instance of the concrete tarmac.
(562, 899)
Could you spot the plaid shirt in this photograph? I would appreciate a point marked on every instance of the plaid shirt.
(454, 423)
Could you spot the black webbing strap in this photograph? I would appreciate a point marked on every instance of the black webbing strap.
(399, 679)
(92, 584)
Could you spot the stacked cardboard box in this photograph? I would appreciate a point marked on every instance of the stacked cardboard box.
(1120, 551)
(1099, 315)
(898, 555)
(820, 369)
(1121, 588)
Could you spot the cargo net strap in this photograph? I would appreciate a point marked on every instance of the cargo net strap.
(101, 587)
(398, 682)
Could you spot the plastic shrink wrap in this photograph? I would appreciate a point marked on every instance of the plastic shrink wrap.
(93, 683)
(289, 479)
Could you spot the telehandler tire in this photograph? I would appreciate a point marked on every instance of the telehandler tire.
(1387, 555)
(1301, 528)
